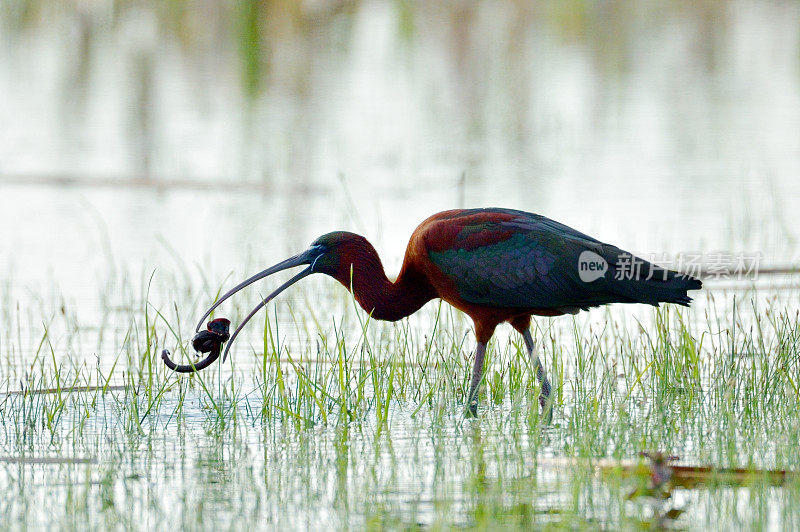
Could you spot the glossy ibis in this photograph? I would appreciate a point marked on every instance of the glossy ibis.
(496, 265)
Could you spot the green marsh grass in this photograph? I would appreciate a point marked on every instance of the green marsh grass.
(323, 416)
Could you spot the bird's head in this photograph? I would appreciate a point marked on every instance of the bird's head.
(339, 250)
(329, 254)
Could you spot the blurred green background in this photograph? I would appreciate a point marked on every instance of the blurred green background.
(132, 132)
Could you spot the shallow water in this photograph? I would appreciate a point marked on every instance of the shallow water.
(135, 145)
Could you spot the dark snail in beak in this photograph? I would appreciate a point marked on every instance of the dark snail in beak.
(209, 341)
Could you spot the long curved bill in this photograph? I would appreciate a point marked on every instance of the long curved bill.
(307, 257)
(262, 304)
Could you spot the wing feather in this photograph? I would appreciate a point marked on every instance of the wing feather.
(524, 260)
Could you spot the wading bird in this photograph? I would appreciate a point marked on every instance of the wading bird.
(495, 265)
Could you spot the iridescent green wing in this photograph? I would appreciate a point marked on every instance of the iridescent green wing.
(504, 258)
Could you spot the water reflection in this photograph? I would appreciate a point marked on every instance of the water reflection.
(596, 114)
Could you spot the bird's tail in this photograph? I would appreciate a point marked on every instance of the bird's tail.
(652, 284)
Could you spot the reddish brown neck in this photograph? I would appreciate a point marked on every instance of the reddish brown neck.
(383, 299)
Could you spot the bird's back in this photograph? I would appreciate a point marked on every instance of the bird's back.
(516, 259)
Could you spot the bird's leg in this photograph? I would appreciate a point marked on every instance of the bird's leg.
(544, 397)
(477, 373)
